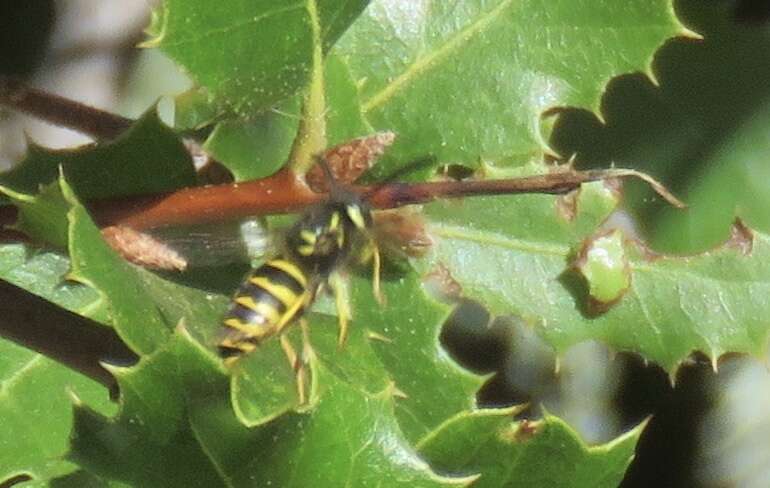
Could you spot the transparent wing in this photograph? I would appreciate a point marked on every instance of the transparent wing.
(186, 247)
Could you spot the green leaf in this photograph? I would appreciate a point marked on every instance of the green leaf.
(349, 438)
(541, 453)
(740, 160)
(264, 385)
(252, 54)
(257, 147)
(175, 397)
(120, 167)
(35, 407)
(261, 145)
(133, 314)
(471, 80)
(407, 328)
(511, 253)
(149, 443)
(344, 120)
(42, 216)
(43, 273)
(698, 125)
(84, 479)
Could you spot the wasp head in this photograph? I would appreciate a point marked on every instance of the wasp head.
(323, 236)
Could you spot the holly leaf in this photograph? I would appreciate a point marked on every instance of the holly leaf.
(110, 169)
(404, 335)
(471, 81)
(181, 388)
(546, 452)
(698, 125)
(257, 147)
(44, 273)
(521, 252)
(34, 431)
(269, 46)
(132, 311)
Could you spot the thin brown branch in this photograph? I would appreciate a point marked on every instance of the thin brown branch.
(281, 193)
(285, 193)
(400, 194)
(61, 111)
(70, 339)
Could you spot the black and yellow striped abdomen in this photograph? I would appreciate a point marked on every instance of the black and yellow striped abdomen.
(270, 298)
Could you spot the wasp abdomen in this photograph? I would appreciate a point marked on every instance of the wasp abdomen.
(269, 299)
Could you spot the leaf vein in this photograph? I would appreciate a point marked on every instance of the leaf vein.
(436, 57)
(18, 375)
(679, 273)
(534, 247)
(646, 314)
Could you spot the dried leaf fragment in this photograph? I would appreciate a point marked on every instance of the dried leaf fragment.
(142, 249)
(349, 160)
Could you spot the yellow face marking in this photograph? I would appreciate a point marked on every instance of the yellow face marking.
(308, 236)
(261, 308)
(285, 295)
(354, 212)
(290, 269)
(334, 221)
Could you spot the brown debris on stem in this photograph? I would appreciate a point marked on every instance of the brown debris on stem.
(143, 249)
(349, 160)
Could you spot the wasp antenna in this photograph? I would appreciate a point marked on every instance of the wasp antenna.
(330, 179)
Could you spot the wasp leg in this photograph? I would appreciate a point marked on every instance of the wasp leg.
(292, 312)
(308, 353)
(298, 365)
(372, 251)
(341, 299)
(376, 272)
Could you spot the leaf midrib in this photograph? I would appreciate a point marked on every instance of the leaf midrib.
(499, 240)
(546, 249)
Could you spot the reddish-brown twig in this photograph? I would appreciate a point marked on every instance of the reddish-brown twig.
(61, 111)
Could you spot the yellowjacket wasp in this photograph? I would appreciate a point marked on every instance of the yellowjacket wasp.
(273, 296)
